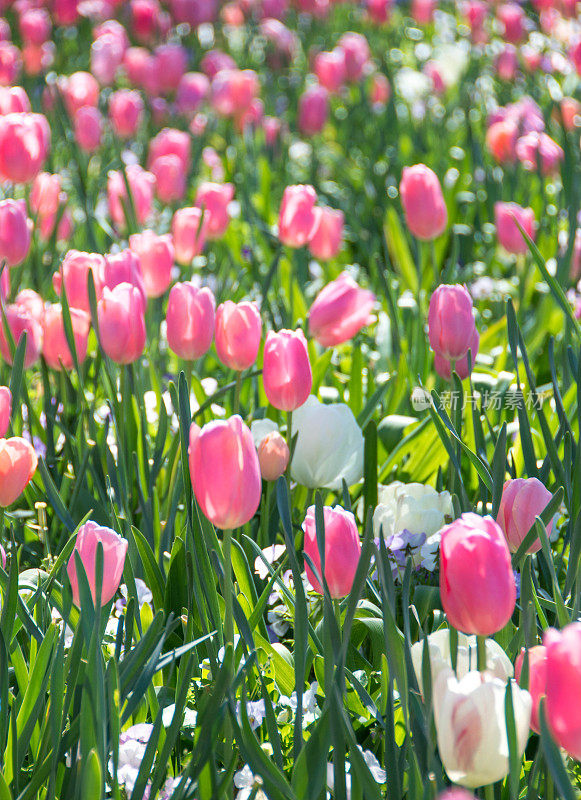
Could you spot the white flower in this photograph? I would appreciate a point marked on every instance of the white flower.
(413, 507)
(190, 716)
(144, 594)
(412, 85)
(311, 710)
(245, 780)
(329, 445)
(497, 662)
(271, 554)
(379, 774)
(256, 712)
(471, 728)
(132, 746)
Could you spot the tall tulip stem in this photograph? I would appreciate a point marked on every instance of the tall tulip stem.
(237, 389)
(228, 588)
(481, 652)
(489, 790)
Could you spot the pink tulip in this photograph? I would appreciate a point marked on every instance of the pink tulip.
(523, 499)
(575, 54)
(340, 310)
(156, 257)
(512, 19)
(170, 178)
(144, 19)
(443, 365)
(171, 63)
(170, 141)
(380, 90)
(342, 550)
(423, 11)
(238, 334)
(451, 321)
(379, 10)
(313, 110)
(537, 679)
(190, 320)
(10, 63)
(214, 198)
(501, 139)
(14, 232)
(35, 25)
(563, 652)
(477, 585)
(32, 302)
(5, 409)
(65, 12)
(188, 228)
(357, 55)
(233, 91)
(330, 69)
(4, 285)
(78, 90)
(297, 218)
(18, 463)
(423, 202)
(124, 267)
(20, 320)
(13, 100)
(107, 53)
(138, 64)
(142, 186)
(225, 472)
(507, 63)
(456, 794)
(88, 126)
(507, 215)
(126, 112)
(45, 199)
(74, 273)
(24, 145)
(273, 456)
(89, 537)
(327, 236)
(534, 147)
(214, 61)
(121, 313)
(193, 89)
(55, 348)
(286, 369)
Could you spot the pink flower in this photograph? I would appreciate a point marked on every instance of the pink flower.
(188, 228)
(55, 348)
(330, 69)
(273, 456)
(142, 186)
(563, 688)
(537, 679)
(523, 499)
(190, 320)
(14, 232)
(286, 369)
(539, 146)
(238, 334)
(89, 537)
(214, 198)
(156, 257)
(297, 218)
(423, 202)
(313, 110)
(340, 310)
(327, 236)
(225, 472)
(18, 464)
(477, 585)
(20, 320)
(451, 321)
(5, 409)
(342, 550)
(126, 112)
(74, 273)
(507, 215)
(121, 313)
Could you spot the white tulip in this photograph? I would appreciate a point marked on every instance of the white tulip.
(497, 662)
(471, 727)
(329, 445)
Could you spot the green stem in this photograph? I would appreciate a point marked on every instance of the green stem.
(237, 390)
(481, 652)
(264, 516)
(549, 787)
(228, 588)
(434, 264)
(489, 791)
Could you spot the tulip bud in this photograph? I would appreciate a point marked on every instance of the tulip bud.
(156, 257)
(238, 334)
(340, 310)
(89, 537)
(330, 69)
(170, 178)
(471, 726)
(507, 215)
(124, 267)
(423, 202)
(24, 145)
(451, 321)
(188, 228)
(522, 500)
(18, 463)
(225, 472)
(537, 679)
(357, 55)
(88, 124)
(192, 91)
(501, 138)
(563, 670)
(5, 409)
(456, 794)
(286, 369)
(214, 198)
(327, 235)
(121, 314)
(273, 456)
(443, 366)
(342, 550)
(190, 320)
(297, 219)
(14, 232)
(55, 348)
(477, 584)
(313, 110)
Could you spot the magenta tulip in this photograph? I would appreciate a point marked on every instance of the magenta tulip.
(451, 322)
(342, 550)
(423, 202)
